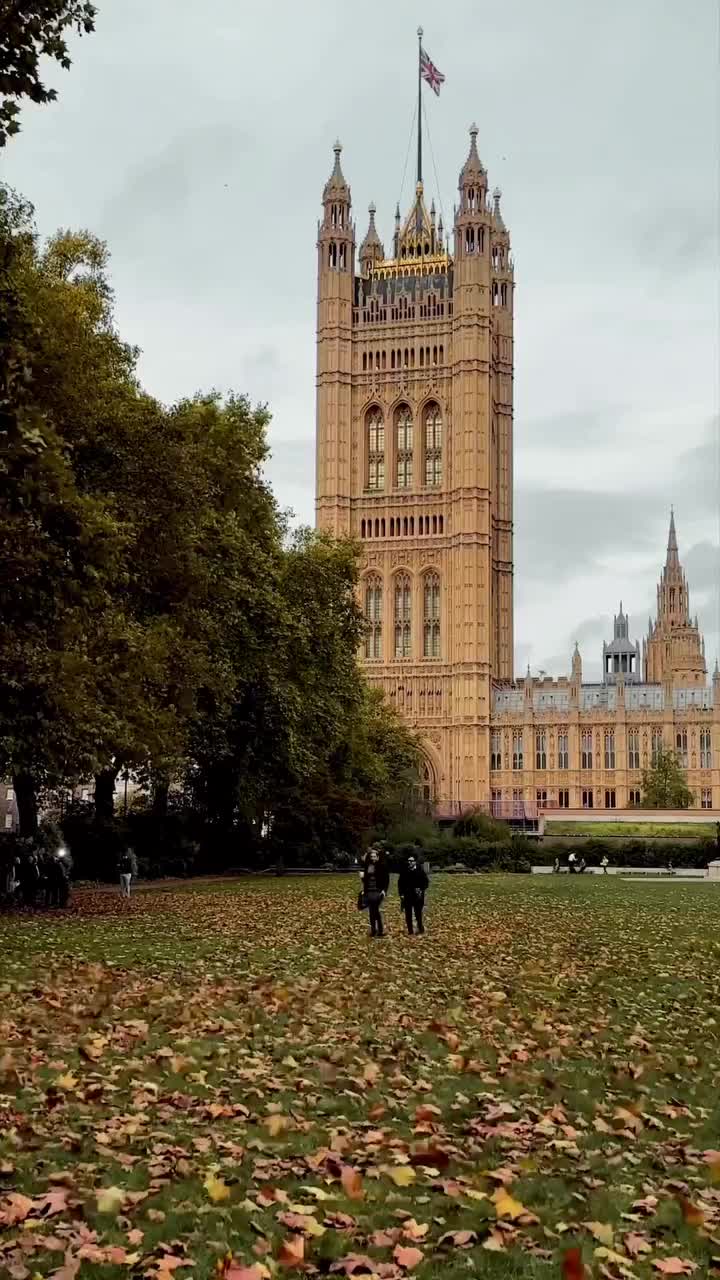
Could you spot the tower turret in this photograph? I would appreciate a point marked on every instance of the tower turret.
(621, 658)
(371, 249)
(336, 275)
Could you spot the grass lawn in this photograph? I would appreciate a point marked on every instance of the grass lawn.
(644, 830)
(236, 1069)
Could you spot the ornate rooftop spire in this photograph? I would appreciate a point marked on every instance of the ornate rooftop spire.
(371, 249)
(672, 546)
(336, 186)
(473, 169)
(497, 193)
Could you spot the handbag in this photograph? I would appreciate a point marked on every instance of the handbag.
(361, 903)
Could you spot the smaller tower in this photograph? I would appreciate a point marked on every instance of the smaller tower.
(371, 249)
(621, 658)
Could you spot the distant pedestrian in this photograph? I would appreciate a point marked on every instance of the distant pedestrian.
(29, 875)
(604, 864)
(125, 871)
(572, 863)
(556, 866)
(412, 885)
(582, 867)
(375, 882)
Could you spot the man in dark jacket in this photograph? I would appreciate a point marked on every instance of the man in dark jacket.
(375, 882)
(412, 883)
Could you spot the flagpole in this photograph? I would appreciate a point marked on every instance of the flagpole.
(419, 106)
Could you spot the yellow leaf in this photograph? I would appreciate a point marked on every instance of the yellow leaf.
(602, 1231)
(506, 1206)
(314, 1228)
(110, 1200)
(318, 1193)
(276, 1124)
(216, 1188)
(67, 1082)
(402, 1174)
(473, 1194)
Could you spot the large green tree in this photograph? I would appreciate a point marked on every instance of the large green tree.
(664, 784)
(30, 30)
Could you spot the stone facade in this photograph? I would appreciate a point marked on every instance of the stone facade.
(415, 461)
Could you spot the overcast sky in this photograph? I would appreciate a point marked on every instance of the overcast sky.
(196, 141)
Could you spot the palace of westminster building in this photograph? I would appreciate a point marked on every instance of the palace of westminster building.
(415, 462)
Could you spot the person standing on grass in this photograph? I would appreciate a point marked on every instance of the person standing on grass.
(571, 862)
(412, 884)
(604, 864)
(375, 882)
(125, 870)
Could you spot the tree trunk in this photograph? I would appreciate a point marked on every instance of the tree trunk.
(27, 803)
(105, 793)
(161, 791)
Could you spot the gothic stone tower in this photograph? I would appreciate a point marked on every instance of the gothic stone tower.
(414, 458)
(674, 650)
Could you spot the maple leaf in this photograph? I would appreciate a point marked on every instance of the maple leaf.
(573, 1267)
(506, 1206)
(692, 1215)
(674, 1266)
(216, 1188)
(291, 1252)
(602, 1231)
(351, 1183)
(401, 1174)
(237, 1271)
(110, 1200)
(407, 1257)
(426, 1112)
(458, 1239)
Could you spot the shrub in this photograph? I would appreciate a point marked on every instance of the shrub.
(481, 827)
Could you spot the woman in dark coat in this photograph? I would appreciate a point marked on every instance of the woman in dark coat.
(412, 883)
(375, 881)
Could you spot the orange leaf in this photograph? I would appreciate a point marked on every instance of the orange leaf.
(675, 1266)
(407, 1257)
(426, 1112)
(690, 1212)
(572, 1265)
(292, 1251)
(351, 1183)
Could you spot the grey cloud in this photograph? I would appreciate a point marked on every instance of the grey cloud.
(702, 567)
(562, 532)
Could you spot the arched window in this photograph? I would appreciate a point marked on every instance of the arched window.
(428, 784)
(433, 445)
(373, 617)
(403, 616)
(404, 446)
(431, 615)
(376, 449)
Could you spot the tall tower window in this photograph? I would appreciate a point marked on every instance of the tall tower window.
(562, 748)
(681, 747)
(517, 749)
(609, 748)
(705, 749)
(403, 616)
(540, 749)
(586, 753)
(404, 445)
(633, 749)
(433, 445)
(657, 745)
(376, 449)
(496, 749)
(431, 616)
(373, 617)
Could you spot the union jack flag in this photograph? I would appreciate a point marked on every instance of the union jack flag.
(430, 73)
